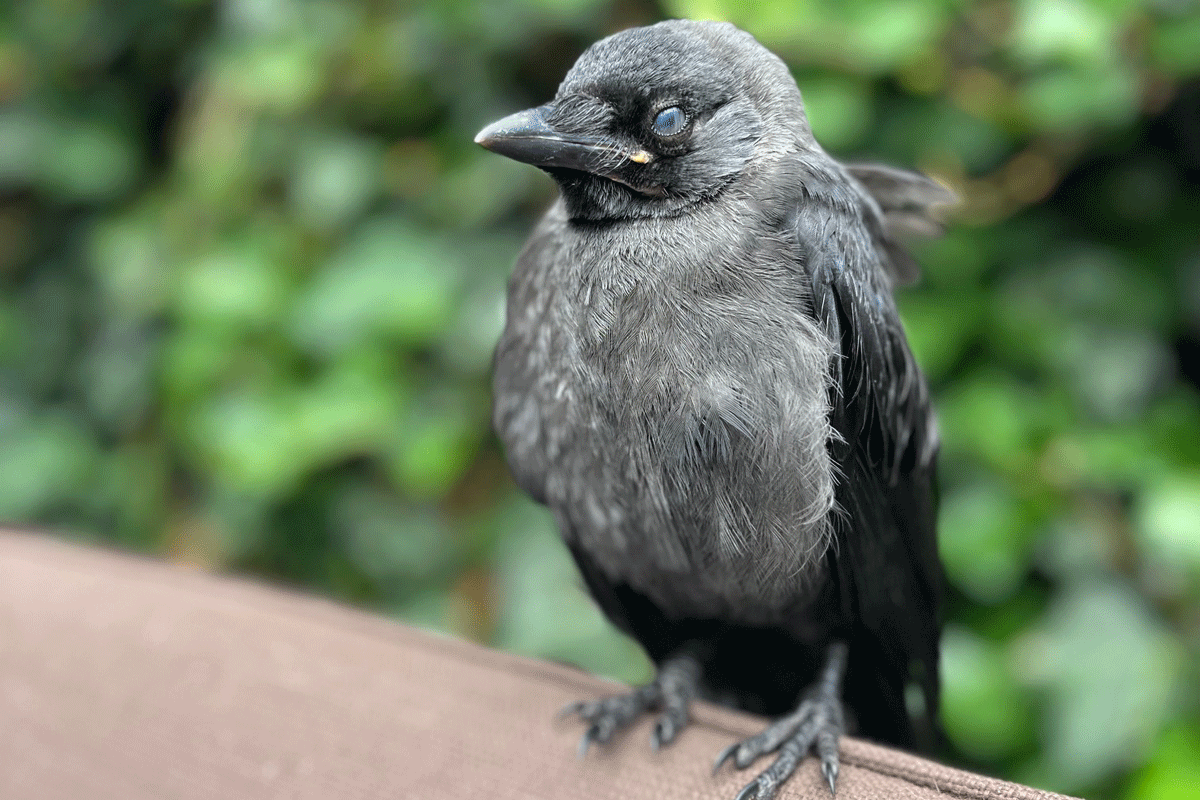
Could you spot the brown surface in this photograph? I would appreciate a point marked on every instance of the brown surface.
(124, 678)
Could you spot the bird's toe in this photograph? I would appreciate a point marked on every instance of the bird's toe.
(724, 756)
(827, 751)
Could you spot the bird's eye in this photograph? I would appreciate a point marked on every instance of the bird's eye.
(669, 121)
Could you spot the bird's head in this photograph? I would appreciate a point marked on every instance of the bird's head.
(652, 120)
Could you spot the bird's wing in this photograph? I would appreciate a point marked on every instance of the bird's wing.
(910, 204)
(885, 559)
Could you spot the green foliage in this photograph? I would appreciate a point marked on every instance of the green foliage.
(252, 267)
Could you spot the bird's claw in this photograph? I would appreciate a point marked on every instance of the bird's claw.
(753, 790)
(830, 770)
(671, 692)
(827, 751)
(660, 735)
(724, 756)
(667, 727)
(816, 724)
(768, 782)
(597, 732)
(585, 741)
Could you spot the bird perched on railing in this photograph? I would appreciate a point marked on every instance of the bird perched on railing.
(704, 376)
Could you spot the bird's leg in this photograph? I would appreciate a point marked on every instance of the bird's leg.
(818, 721)
(670, 692)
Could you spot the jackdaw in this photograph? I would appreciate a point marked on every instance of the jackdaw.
(703, 375)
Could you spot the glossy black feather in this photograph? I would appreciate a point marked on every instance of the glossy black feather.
(886, 560)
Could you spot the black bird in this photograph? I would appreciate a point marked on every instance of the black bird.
(704, 376)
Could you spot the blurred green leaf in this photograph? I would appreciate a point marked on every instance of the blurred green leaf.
(388, 280)
(279, 75)
(44, 460)
(985, 542)
(1110, 670)
(238, 283)
(435, 444)
(1176, 46)
(839, 109)
(335, 179)
(88, 160)
(127, 259)
(984, 710)
(392, 542)
(1174, 771)
(1066, 99)
(1169, 518)
(939, 336)
(22, 135)
(1067, 30)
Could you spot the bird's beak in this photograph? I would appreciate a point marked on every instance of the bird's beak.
(527, 137)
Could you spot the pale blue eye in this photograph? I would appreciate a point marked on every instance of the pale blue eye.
(669, 121)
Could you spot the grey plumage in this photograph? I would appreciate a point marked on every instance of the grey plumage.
(659, 451)
(703, 375)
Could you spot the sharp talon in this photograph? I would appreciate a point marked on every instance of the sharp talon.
(724, 756)
(663, 734)
(830, 770)
(589, 736)
(750, 790)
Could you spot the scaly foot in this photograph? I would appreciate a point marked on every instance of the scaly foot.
(670, 692)
(817, 722)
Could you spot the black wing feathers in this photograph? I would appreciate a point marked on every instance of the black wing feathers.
(885, 561)
(909, 204)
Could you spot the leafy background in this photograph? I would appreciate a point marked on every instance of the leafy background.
(251, 270)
